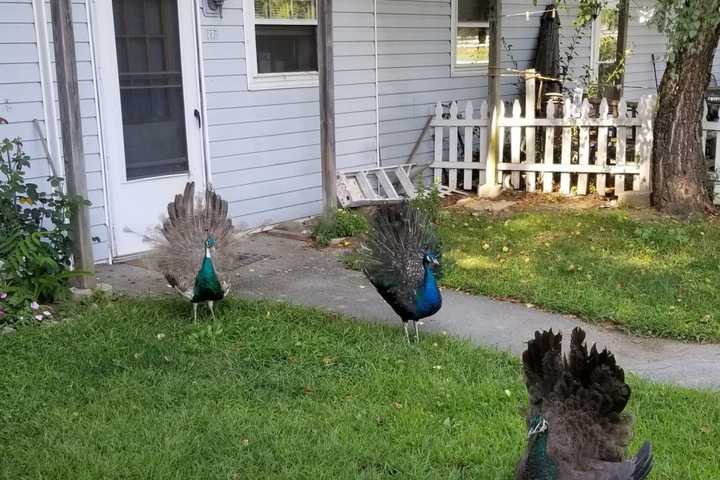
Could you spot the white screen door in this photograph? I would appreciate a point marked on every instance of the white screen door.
(150, 106)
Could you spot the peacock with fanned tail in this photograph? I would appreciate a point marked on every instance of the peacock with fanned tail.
(401, 258)
(194, 245)
(576, 426)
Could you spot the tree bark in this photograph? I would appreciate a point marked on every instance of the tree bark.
(679, 172)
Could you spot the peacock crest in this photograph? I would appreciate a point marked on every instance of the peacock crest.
(195, 246)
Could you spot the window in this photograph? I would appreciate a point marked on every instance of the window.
(470, 37)
(281, 40)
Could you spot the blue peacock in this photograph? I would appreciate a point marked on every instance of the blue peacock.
(576, 426)
(195, 244)
(401, 258)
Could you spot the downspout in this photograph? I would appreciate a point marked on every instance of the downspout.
(377, 86)
(101, 143)
(52, 134)
(203, 104)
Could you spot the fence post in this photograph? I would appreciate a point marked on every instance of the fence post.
(468, 147)
(438, 143)
(530, 131)
(645, 140)
(483, 142)
(584, 147)
(620, 146)
(547, 178)
(453, 146)
(515, 143)
(496, 135)
(566, 151)
(602, 142)
(714, 126)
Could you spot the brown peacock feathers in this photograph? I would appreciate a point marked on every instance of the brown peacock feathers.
(578, 430)
(180, 242)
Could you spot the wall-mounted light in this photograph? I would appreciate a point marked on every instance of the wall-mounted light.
(212, 8)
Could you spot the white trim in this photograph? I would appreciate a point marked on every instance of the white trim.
(105, 106)
(285, 21)
(463, 70)
(269, 81)
(101, 141)
(203, 103)
(377, 87)
(50, 113)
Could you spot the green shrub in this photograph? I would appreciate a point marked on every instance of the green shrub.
(342, 223)
(35, 244)
(428, 200)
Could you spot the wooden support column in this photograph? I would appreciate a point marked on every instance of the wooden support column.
(327, 104)
(491, 188)
(623, 18)
(72, 142)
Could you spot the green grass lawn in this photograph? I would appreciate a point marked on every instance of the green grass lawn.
(133, 390)
(649, 276)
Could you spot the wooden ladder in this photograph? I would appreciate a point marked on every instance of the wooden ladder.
(372, 186)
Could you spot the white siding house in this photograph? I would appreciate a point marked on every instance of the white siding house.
(255, 137)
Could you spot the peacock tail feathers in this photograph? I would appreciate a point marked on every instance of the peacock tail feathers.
(392, 257)
(179, 243)
(582, 396)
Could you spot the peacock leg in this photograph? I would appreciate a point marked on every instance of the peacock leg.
(212, 310)
(194, 312)
(417, 333)
(405, 326)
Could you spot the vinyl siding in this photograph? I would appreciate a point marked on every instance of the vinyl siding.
(265, 144)
(644, 40)
(21, 100)
(414, 50)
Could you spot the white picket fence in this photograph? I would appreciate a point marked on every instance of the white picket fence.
(570, 150)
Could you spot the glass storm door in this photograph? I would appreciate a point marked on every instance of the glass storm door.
(151, 113)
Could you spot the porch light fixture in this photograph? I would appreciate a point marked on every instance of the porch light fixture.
(213, 8)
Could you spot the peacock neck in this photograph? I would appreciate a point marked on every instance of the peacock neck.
(428, 300)
(207, 269)
(540, 466)
(429, 283)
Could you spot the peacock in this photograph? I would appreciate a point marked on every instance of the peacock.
(401, 258)
(194, 245)
(576, 426)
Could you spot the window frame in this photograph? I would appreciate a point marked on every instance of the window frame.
(463, 70)
(278, 80)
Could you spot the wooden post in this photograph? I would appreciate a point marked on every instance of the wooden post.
(491, 187)
(645, 142)
(623, 18)
(71, 131)
(327, 104)
(530, 131)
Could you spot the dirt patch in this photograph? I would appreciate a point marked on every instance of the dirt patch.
(510, 203)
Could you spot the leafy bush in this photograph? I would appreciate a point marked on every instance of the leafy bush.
(35, 244)
(342, 223)
(428, 200)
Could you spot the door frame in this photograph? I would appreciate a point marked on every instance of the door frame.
(102, 31)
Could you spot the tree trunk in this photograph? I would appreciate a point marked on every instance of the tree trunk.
(679, 172)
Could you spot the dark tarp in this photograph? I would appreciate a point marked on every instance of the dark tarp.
(547, 54)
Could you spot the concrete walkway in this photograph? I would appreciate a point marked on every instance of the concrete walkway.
(279, 268)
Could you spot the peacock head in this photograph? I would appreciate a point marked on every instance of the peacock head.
(210, 242)
(537, 426)
(431, 259)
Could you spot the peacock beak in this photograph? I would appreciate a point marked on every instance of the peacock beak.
(435, 261)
